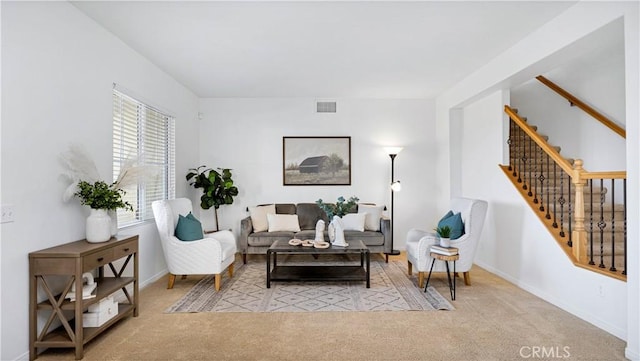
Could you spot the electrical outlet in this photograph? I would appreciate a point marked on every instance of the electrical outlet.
(7, 213)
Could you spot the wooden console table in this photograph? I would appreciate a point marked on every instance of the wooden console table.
(72, 260)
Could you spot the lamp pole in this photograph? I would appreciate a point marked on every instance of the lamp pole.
(395, 186)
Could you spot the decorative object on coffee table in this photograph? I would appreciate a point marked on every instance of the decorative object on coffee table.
(338, 229)
(319, 231)
(395, 187)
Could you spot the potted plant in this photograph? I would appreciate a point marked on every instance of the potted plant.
(101, 198)
(444, 233)
(335, 212)
(340, 208)
(217, 187)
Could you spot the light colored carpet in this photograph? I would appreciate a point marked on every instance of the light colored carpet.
(391, 290)
(493, 320)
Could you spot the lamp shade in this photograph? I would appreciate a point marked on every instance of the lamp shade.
(393, 150)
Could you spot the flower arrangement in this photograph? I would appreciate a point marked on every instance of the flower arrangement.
(100, 195)
(340, 208)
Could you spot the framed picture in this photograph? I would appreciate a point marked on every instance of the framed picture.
(313, 161)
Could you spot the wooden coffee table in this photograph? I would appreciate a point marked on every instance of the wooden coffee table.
(318, 272)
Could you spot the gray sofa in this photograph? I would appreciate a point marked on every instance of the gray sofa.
(308, 215)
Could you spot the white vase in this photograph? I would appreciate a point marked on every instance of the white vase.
(445, 242)
(98, 226)
(338, 228)
(113, 216)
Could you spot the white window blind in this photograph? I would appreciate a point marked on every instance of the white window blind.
(146, 133)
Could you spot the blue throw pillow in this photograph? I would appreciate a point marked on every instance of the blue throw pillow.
(454, 221)
(189, 228)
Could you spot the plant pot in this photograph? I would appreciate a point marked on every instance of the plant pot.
(113, 216)
(98, 226)
(445, 242)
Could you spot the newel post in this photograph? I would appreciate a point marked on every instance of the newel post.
(579, 234)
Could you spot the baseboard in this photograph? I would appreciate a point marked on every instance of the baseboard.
(602, 324)
(632, 355)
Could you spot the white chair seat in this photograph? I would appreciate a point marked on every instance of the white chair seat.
(418, 242)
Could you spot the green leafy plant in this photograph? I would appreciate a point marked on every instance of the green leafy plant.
(340, 208)
(217, 187)
(443, 232)
(100, 195)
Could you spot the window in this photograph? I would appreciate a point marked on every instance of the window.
(147, 134)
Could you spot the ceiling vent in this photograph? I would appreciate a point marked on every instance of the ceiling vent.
(325, 107)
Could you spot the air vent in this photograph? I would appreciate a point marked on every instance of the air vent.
(325, 107)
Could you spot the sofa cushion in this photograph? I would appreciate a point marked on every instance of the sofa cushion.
(188, 228)
(259, 217)
(370, 238)
(373, 215)
(285, 208)
(354, 221)
(266, 239)
(309, 214)
(283, 222)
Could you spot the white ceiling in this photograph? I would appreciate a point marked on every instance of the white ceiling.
(320, 49)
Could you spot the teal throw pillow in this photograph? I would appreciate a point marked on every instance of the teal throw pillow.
(454, 221)
(189, 228)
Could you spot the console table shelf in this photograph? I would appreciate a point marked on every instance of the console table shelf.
(72, 260)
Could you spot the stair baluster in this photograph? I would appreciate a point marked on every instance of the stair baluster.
(555, 195)
(591, 262)
(601, 225)
(613, 226)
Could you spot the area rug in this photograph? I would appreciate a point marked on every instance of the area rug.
(391, 290)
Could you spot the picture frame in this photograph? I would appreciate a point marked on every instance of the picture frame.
(316, 161)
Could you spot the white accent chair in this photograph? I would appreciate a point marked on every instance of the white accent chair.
(418, 242)
(210, 255)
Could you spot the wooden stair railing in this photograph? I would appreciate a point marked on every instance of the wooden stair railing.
(582, 105)
(556, 187)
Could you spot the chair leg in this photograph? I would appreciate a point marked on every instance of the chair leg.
(420, 279)
(218, 281)
(231, 270)
(244, 258)
(172, 280)
(409, 268)
(467, 278)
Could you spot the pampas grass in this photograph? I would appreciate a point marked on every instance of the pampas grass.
(80, 167)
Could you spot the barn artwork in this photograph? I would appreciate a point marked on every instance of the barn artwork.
(316, 160)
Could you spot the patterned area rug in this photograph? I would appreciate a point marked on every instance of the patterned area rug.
(391, 290)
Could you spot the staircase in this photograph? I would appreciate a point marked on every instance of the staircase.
(584, 211)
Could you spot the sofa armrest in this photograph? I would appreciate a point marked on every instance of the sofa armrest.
(246, 228)
(385, 228)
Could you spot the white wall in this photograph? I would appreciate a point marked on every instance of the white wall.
(515, 244)
(596, 78)
(58, 67)
(542, 51)
(246, 135)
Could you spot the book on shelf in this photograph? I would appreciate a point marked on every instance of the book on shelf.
(447, 251)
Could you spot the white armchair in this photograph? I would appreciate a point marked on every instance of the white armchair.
(210, 255)
(473, 213)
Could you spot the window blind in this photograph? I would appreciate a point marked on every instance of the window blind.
(147, 134)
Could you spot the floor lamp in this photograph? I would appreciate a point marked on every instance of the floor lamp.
(395, 187)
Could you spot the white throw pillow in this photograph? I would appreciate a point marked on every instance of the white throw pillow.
(372, 220)
(259, 217)
(283, 222)
(353, 221)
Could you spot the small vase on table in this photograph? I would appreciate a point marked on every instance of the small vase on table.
(98, 226)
